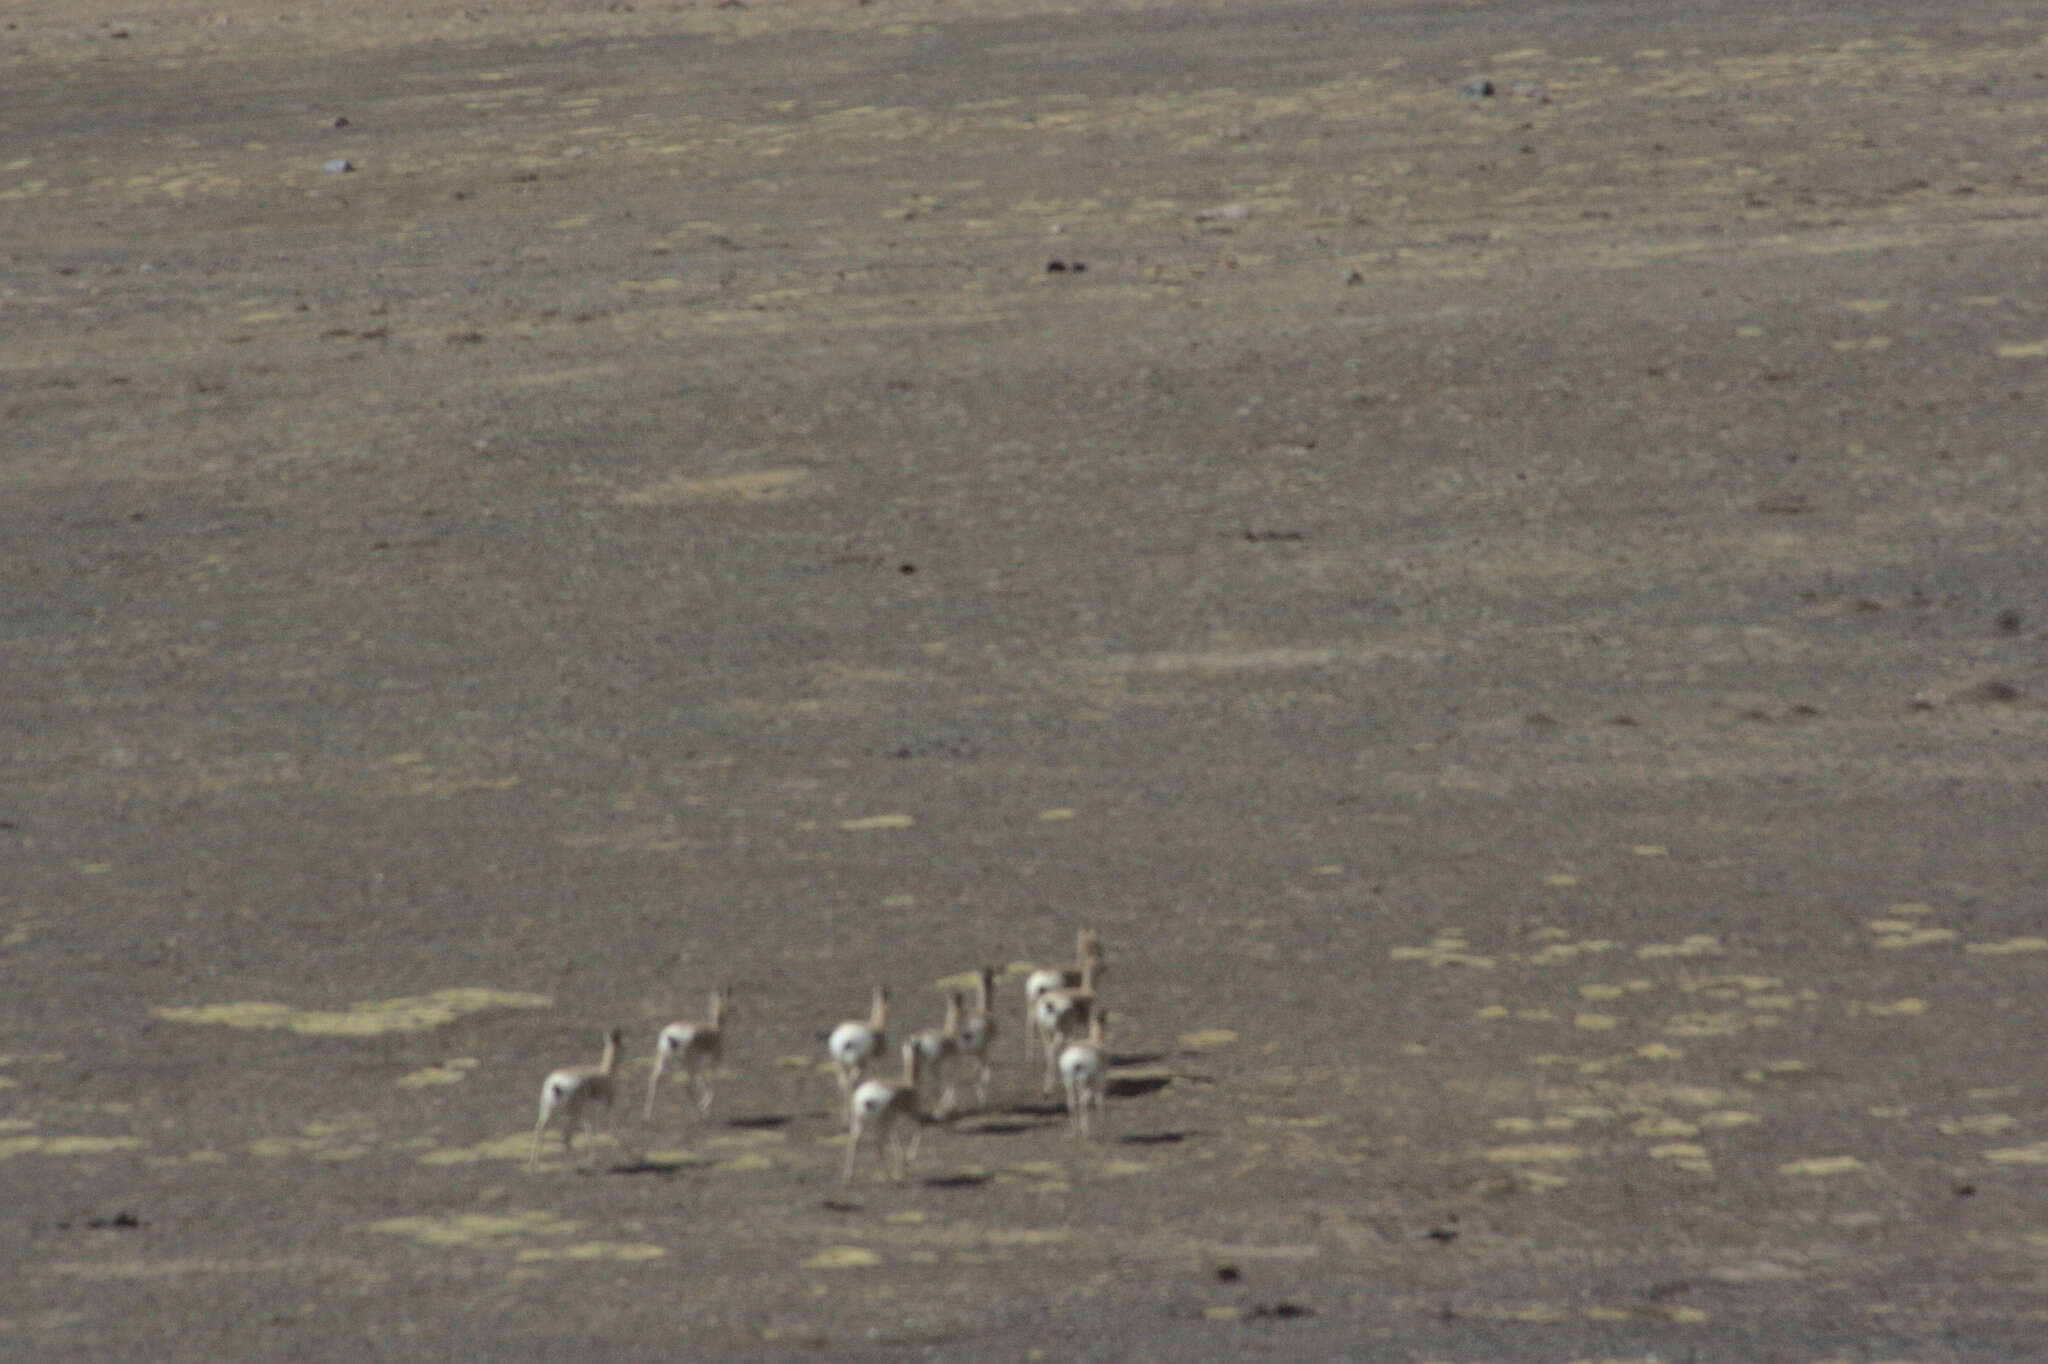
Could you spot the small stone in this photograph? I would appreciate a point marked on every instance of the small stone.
(1481, 89)
(338, 121)
(340, 165)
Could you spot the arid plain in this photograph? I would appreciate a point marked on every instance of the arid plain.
(1520, 616)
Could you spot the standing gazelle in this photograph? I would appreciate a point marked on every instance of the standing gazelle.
(855, 1045)
(978, 1031)
(1083, 1066)
(938, 1052)
(696, 1047)
(573, 1089)
(1061, 1016)
(1081, 975)
(885, 1108)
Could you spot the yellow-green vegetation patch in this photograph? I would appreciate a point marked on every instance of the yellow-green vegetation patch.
(201, 1157)
(475, 1228)
(889, 821)
(757, 486)
(1206, 1039)
(596, 1250)
(2037, 1154)
(1916, 937)
(1685, 1156)
(1730, 987)
(66, 1146)
(413, 1013)
(1822, 1166)
(447, 1073)
(1663, 1125)
(843, 1257)
(498, 1148)
(1896, 1008)
(315, 1143)
(1693, 945)
(1449, 949)
(746, 1160)
(2007, 948)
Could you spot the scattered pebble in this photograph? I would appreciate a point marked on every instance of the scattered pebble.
(338, 121)
(1481, 89)
(340, 165)
(1060, 267)
(1227, 213)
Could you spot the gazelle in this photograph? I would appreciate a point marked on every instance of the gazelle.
(1083, 1066)
(855, 1045)
(937, 1051)
(1087, 954)
(978, 1031)
(1061, 1016)
(696, 1047)
(572, 1090)
(884, 1107)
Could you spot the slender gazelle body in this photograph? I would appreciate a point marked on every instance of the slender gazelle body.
(572, 1091)
(696, 1047)
(1087, 949)
(1083, 1066)
(978, 1031)
(938, 1050)
(855, 1046)
(1062, 1016)
(886, 1108)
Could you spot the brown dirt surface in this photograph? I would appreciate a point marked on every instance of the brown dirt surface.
(1520, 616)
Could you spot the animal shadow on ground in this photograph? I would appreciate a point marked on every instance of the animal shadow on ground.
(1135, 1086)
(662, 1169)
(957, 1179)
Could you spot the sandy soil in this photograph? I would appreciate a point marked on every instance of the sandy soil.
(1519, 615)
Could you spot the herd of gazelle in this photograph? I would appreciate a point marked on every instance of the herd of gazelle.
(1064, 1023)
